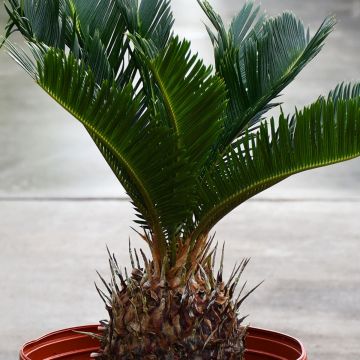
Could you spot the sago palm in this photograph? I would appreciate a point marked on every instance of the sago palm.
(188, 142)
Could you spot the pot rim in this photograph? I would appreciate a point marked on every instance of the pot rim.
(68, 333)
(264, 333)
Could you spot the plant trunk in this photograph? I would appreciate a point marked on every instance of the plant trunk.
(149, 319)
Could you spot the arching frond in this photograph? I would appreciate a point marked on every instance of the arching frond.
(159, 176)
(322, 134)
(93, 30)
(143, 154)
(50, 22)
(192, 111)
(248, 20)
(258, 58)
(345, 91)
(186, 144)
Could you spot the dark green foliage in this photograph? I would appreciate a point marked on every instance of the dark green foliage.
(187, 142)
(257, 58)
(345, 92)
(143, 154)
(321, 134)
(193, 111)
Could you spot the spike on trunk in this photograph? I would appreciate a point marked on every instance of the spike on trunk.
(182, 313)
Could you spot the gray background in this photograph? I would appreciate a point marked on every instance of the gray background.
(60, 205)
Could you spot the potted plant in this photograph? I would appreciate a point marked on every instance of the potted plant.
(189, 143)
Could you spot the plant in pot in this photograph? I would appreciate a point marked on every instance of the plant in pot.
(188, 143)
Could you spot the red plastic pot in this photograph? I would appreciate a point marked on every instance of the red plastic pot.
(68, 345)
(270, 345)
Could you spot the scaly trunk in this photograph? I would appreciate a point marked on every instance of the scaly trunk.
(192, 316)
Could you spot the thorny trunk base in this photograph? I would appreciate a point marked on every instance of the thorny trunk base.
(194, 319)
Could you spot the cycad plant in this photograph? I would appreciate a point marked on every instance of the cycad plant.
(188, 142)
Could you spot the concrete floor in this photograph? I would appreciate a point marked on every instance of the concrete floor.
(57, 210)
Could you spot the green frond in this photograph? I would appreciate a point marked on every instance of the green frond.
(142, 151)
(33, 20)
(156, 21)
(96, 57)
(221, 37)
(322, 134)
(187, 145)
(93, 30)
(345, 91)
(101, 33)
(44, 20)
(192, 100)
(22, 58)
(257, 59)
(110, 116)
(265, 65)
(248, 20)
(49, 22)
(143, 155)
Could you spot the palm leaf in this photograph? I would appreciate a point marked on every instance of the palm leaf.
(93, 30)
(345, 91)
(257, 60)
(35, 20)
(142, 154)
(322, 134)
(101, 32)
(156, 21)
(245, 22)
(242, 25)
(192, 100)
(99, 109)
(156, 156)
(51, 23)
(187, 145)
